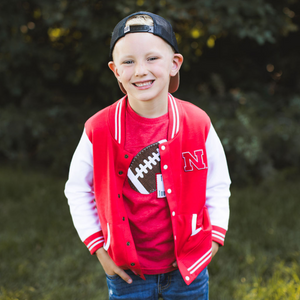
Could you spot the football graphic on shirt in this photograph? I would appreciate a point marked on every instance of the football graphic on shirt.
(143, 168)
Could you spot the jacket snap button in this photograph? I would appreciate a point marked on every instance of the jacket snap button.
(169, 191)
(133, 264)
(165, 167)
(173, 213)
(123, 218)
(128, 243)
(126, 156)
(120, 172)
(163, 147)
(187, 278)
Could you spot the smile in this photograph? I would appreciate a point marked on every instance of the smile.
(142, 84)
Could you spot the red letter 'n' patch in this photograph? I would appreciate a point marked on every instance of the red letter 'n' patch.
(193, 160)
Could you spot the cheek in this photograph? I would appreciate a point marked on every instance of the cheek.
(163, 70)
(127, 76)
(168, 67)
(123, 73)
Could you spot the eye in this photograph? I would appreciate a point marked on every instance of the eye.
(128, 62)
(152, 58)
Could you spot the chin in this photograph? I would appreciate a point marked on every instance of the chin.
(149, 95)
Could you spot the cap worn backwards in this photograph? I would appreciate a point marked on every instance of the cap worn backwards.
(161, 28)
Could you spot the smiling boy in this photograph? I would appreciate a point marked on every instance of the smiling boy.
(143, 63)
(148, 185)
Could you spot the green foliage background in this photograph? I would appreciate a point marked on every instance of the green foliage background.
(241, 66)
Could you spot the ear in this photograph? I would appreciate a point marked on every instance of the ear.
(176, 64)
(114, 69)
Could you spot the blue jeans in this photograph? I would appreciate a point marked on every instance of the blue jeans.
(169, 286)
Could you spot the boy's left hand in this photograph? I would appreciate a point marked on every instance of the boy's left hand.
(215, 248)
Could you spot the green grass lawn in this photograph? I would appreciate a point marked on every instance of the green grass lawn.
(41, 256)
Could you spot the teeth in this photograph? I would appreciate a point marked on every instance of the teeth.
(143, 84)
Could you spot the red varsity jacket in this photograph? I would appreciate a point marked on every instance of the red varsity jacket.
(185, 165)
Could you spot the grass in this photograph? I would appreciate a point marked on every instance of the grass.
(41, 256)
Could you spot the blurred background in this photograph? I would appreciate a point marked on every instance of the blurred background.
(241, 65)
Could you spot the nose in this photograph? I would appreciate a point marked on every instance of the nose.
(140, 69)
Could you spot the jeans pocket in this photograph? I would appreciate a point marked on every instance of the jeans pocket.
(112, 277)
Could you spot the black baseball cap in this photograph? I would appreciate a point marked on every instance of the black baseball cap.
(161, 28)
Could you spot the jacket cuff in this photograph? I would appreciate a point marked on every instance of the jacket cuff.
(94, 242)
(218, 235)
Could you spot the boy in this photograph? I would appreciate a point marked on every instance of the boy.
(148, 186)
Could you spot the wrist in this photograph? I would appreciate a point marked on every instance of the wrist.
(100, 253)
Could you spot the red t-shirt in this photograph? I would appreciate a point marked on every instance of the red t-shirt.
(149, 216)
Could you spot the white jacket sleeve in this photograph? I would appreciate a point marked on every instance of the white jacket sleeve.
(79, 191)
(217, 189)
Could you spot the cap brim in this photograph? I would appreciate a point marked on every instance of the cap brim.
(173, 85)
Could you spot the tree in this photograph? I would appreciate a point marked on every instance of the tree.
(240, 65)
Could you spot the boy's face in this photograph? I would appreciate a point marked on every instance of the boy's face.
(143, 63)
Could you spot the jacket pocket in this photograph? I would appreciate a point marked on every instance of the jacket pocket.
(107, 243)
(193, 230)
(114, 244)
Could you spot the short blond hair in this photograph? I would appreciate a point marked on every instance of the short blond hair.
(139, 20)
(143, 20)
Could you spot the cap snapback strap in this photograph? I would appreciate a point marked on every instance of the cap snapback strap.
(138, 28)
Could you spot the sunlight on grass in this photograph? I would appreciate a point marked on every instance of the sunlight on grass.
(16, 295)
(283, 284)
